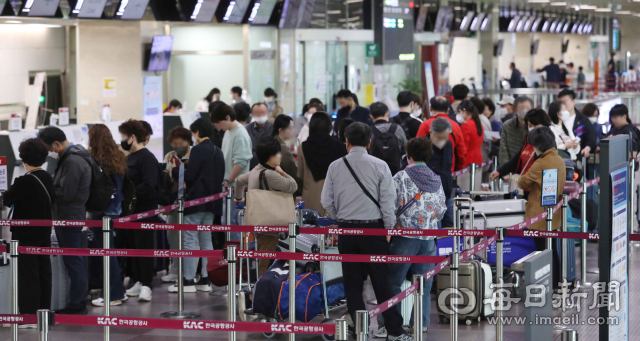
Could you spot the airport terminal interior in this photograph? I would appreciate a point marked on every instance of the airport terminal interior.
(497, 140)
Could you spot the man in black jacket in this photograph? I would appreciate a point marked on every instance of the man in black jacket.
(349, 108)
(580, 124)
(203, 176)
(404, 119)
(440, 163)
(72, 183)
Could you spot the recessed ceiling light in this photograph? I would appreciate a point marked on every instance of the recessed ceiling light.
(538, 1)
(560, 3)
(589, 6)
(623, 12)
(13, 22)
(603, 9)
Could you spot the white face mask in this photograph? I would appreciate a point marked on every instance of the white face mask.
(522, 114)
(531, 128)
(593, 119)
(459, 118)
(565, 115)
(307, 116)
(269, 100)
(54, 155)
(439, 144)
(261, 119)
(417, 113)
(537, 151)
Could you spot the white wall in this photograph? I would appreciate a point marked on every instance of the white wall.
(508, 54)
(463, 63)
(25, 48)
(578, 50)
(522, 56)
(550, 46)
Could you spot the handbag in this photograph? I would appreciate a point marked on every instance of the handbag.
(269, 208)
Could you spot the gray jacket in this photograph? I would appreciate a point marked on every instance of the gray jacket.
(72, 184)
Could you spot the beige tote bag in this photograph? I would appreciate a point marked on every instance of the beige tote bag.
(269, 208)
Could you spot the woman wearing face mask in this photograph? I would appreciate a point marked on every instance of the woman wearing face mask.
(621, 125)
(203, 104)
(274, 108)
(542, 140)
(567, 144)
(592, 112)
(143, 170)
(282, 131)
(304, 132)
(474, 138)
(523, 160)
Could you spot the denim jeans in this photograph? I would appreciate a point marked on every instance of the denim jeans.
(234, 218)
(412, 247)
(189, 240)
(447, 220)
(115, 282)
(71, 237)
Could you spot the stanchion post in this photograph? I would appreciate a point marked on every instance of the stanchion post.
(43, 316)
(228, 213)
(549, 226)
(453, 267)
(583, 228)
(417, 307)
(106, 273)
(292, 277)
(14, 287)
(472, 173)
(231, 298)
(499, 279)
(457, 222)
(341, 330)
(472, 214)
(495, 183)
(632, 207)
(180, 314)
(564, 244)
(362, 325)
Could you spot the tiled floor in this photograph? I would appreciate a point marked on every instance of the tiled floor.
(214, 308)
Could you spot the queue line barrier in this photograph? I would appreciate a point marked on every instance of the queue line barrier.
(471, 168)
(173, 207)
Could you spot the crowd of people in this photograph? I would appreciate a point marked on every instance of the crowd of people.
(366, 169)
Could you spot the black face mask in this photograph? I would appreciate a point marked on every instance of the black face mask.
(125, 145)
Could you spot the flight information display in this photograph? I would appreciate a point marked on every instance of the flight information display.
(40, 8)
(261, 12)
(91, 9)
(204, 10)
(397, 31)
(235, 11)
(160, 53)
(132, 9)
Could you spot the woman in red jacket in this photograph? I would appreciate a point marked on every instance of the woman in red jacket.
(472, 132)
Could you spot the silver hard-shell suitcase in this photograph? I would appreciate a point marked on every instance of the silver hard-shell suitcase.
(59, 280)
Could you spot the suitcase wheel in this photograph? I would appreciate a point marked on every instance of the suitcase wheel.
(269, 335)
(468, 321)
(328, 337)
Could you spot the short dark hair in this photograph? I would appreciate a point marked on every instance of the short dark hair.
(537, 117)
(267, 148)
(513, 65)
(175, 103)
(320, 124)
(542, 138)
(49, 135)
(213, 105)
(237, 90)
(590, 109)
(358, 134)
(268, 92)
(552, 59)
(33, 152)
(580, 67)
(180, 133)
(315, 100)
(318, 106)
(133, 127)
(479, 104)
(488, 102)
(460, 92)
(405, 98)
(203, 127)
(521, 99)
(440, 104)
(344, 93)
(619, 110)
(147, 128)
(257, 104)
(220, 113)
(419, 149)
(281, 122)
(346, 122)
(378, 109)
(242, 110)
(567, 92)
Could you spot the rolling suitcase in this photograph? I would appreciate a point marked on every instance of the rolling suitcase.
(474, 278)
(571, 260)
(59, 280)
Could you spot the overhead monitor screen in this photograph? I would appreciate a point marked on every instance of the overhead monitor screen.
(89, 8)
(443, 20)
(204, 10)
(290, 11)
(305, 13)
(397, 24)
(422, 19)
(261, 12)
(132, 9)
(41, 8)
(160, 53)
(235, 11)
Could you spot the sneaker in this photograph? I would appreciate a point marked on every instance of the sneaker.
(145, 294)
(203, 284)
(27, 326)
(71, 311)
(403, 337)
(135, 289)
(99, 302)
(169, 278)
(380, 333)
(188, 285)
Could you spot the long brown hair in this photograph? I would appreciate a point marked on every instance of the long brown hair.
(104, 149)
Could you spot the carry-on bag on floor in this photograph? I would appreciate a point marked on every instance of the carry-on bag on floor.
(309, 297)
(59, 280)
(267, 289)
(571, 260)
(5, 283)
(474, 278)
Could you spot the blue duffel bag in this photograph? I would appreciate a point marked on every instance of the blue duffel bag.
(309, 300)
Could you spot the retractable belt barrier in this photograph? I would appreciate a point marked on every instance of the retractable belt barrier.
(18, 319)
(169, 208)
(468, 169)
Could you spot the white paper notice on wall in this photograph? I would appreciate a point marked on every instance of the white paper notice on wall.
(106, 113)
(321, 84)
(4, 184)
(63, 116)
(109, 87)
(15, 122)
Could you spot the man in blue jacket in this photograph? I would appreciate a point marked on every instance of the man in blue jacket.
(349, 108)
(553, 73)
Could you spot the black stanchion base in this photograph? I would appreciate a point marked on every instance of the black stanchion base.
(180, 315)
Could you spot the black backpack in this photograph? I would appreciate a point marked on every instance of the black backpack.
(385, 146)
(404, 124)
(101, 188)
(129, 197)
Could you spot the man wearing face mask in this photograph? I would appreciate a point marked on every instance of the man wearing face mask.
(514, 130)
(580, 125)
(259, 128)
(440, 163)
(406, 118)
(506, 108)
(72, 183)
(349, 108)
(459, 93)
(236, 95)
(274, 108)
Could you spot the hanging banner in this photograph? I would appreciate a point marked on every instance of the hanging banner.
(152, 105)
(618, 277)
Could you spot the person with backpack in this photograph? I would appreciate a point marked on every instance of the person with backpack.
(388, 139)
(72, 183)
(144, 171)
(359, 193)
(32, 197)
(203, 176)
(406, 118)
(420, 204)
(113, 162)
